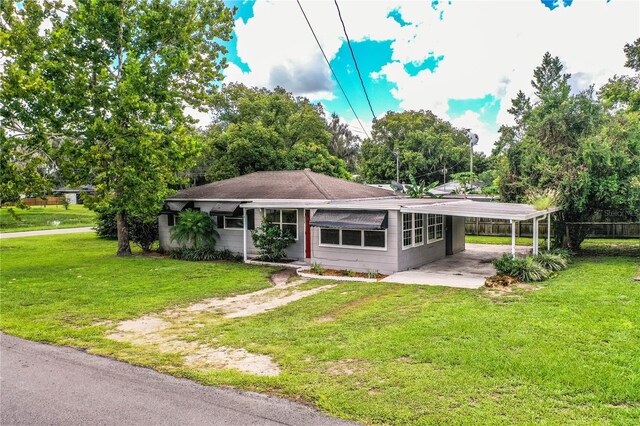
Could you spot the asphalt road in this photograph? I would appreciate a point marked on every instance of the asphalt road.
(21, 234)
(49, 385)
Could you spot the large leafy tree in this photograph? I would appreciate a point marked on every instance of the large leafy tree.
(344, 143)
(259, 129)
(424, 143)
(566, 142)
(102, 86)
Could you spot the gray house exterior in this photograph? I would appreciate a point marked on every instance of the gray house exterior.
(336, 223)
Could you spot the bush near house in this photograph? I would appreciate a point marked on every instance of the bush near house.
(271, 241)
(532, 268)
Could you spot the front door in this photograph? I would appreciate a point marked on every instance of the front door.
(448, 235)
(307, 234)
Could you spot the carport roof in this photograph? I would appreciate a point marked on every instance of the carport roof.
(482, 209)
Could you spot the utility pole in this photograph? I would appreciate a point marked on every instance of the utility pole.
(473, 140)
(398, 166)
(444, 172)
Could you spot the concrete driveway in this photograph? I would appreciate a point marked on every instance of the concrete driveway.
(467, 269)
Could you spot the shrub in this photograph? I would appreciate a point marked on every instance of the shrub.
(271, 241)
(195, 228)
(317, 268)
(533, 271)
(552, 262)
(522, 268)
(508, 265)
(198, 254)
(142, 232)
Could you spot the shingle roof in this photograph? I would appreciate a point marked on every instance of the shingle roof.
(281, 185)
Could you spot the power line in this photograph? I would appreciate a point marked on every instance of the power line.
(331, 68)
(344, 29)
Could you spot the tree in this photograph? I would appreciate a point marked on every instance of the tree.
(259, 129)
(622, 93)
(344, 144)
(424, 143)
(103, 86)
(271, 241)
(566, 143)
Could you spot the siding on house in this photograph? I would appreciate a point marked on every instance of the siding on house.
(414, 257)
(359, 260)
(231, 239)
(458, 224)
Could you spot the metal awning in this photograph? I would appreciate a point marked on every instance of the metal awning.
(483, 209)
(350, 219)
(223, 208)
(174, 206)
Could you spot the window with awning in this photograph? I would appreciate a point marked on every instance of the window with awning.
(351, 219)
(224, 208)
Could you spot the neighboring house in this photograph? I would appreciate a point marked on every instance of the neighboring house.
(74, 195)
(337, 223)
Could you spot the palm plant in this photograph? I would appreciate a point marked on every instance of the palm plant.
(419, 190)
(195, 227)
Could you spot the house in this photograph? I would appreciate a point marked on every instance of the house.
(336, 223)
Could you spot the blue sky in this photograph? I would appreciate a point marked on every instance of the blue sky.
(463, 60)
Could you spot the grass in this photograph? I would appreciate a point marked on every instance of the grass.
(378, 353)
(51, 217)
(589, 247)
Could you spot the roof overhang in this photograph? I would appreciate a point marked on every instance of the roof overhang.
(350, 219)
(482, 209)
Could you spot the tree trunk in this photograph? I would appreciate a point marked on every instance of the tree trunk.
(124, 247)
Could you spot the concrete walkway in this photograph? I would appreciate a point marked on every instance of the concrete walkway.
(44, 232)
(467, 269)
(52, 385)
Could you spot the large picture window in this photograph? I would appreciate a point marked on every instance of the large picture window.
(435, 228)
(354, 238)
(412, 230)
(286, 219)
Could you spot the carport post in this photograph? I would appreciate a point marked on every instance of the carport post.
(244, 234)
(549, 232)
(513, 238)
(535, 235)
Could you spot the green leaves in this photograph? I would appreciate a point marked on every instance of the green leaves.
(424, 143)
(101, 95)
(195, 229)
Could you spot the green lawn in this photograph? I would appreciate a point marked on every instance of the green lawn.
(50, 217)
(377, 353)
(629, 246)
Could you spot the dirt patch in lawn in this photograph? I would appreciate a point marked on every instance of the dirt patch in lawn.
(165, 330)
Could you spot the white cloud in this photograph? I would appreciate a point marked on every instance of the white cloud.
(489, 47)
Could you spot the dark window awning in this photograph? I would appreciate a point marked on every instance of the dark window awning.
(173, 206)
(350, 219)
(223, 208)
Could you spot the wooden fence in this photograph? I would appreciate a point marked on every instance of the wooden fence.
(497, 227)
(37, 201)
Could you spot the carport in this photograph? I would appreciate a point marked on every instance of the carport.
(492, 210)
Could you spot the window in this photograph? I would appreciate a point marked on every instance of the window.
(286, 219)
(172, 219)
(354, 238)
(233, 222)
(435, 228)
(412, 230)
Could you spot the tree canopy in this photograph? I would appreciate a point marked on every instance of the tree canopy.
(585, 149)
(99, 89)
(260, 129)
(424, 143)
